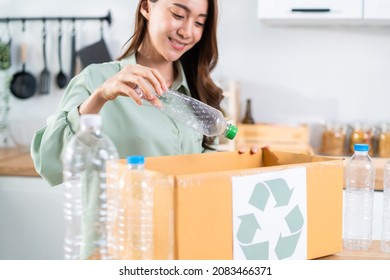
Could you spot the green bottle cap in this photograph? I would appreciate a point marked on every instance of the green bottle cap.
(230, 131)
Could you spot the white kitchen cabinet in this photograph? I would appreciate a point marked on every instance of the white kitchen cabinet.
(310, 9)
(376, 9)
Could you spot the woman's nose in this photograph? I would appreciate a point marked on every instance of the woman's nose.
(185, 29)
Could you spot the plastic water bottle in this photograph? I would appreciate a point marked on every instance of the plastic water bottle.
(136, 215)
(88, 210)
(359, 198)
(195, 114)
(385, 238)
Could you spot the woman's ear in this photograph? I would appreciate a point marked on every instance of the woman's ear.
(144, 9)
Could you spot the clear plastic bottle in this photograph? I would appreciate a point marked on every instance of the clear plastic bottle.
(88, 210)
(359, 198)
(385, 238)
(195, 114)
(136, 216)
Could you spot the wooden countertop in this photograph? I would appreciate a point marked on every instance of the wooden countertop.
(16, 162)
(374, 253)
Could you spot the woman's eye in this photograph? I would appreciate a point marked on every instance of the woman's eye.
(200, 24)
(177, 16)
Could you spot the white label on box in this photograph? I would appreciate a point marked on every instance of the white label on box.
(270, 215)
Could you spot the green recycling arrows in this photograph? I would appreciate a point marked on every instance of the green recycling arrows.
(258, 251)
(280, 191)
(294, 219)
(259, 197)
(271, 196)
(286, 245)
(248, 228)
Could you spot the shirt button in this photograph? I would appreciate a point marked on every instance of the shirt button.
(175, 130)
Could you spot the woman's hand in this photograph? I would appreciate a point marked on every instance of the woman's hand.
(253, 149)
(135, 81)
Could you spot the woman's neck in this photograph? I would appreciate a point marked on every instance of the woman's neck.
(166, 68)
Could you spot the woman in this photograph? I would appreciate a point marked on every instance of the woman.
(174, 46)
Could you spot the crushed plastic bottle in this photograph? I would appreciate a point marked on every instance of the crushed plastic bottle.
(195, 114)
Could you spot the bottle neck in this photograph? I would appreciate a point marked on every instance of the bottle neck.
(361, 155)
(94, 129)
(131, 166)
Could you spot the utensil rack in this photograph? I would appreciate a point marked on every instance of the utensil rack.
(66, 18)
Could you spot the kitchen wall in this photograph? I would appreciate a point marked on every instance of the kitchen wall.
(292, 74)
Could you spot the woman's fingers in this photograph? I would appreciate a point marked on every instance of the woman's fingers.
(157, 81)
(146, 82)
(146, 78)
(254, 149)
(137, 82)
(244, 149)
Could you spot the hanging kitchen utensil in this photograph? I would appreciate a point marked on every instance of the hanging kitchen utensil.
(44, 85)
(95, 53)
(73, 52)
(61, 78)
(23, 84)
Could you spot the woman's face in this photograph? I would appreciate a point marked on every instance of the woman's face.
(174, 26)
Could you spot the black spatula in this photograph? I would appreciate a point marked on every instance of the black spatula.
(44, 85)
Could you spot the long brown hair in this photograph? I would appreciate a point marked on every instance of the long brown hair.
(197, 63)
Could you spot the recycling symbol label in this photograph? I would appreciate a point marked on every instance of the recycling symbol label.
(270, 215)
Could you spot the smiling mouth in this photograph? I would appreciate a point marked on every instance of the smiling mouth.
(177, 44)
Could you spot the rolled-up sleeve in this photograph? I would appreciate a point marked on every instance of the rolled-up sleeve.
(48, 143)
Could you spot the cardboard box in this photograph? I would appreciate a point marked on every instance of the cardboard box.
(202, 200)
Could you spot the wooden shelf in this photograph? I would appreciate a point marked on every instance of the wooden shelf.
(289, 138)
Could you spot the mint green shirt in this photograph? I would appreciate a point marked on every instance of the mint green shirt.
(134, 129)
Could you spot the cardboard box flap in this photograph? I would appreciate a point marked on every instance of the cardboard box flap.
(202, 163)
(273, 158)
(226, 161)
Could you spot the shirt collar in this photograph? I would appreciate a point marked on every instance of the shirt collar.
(179, 84)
